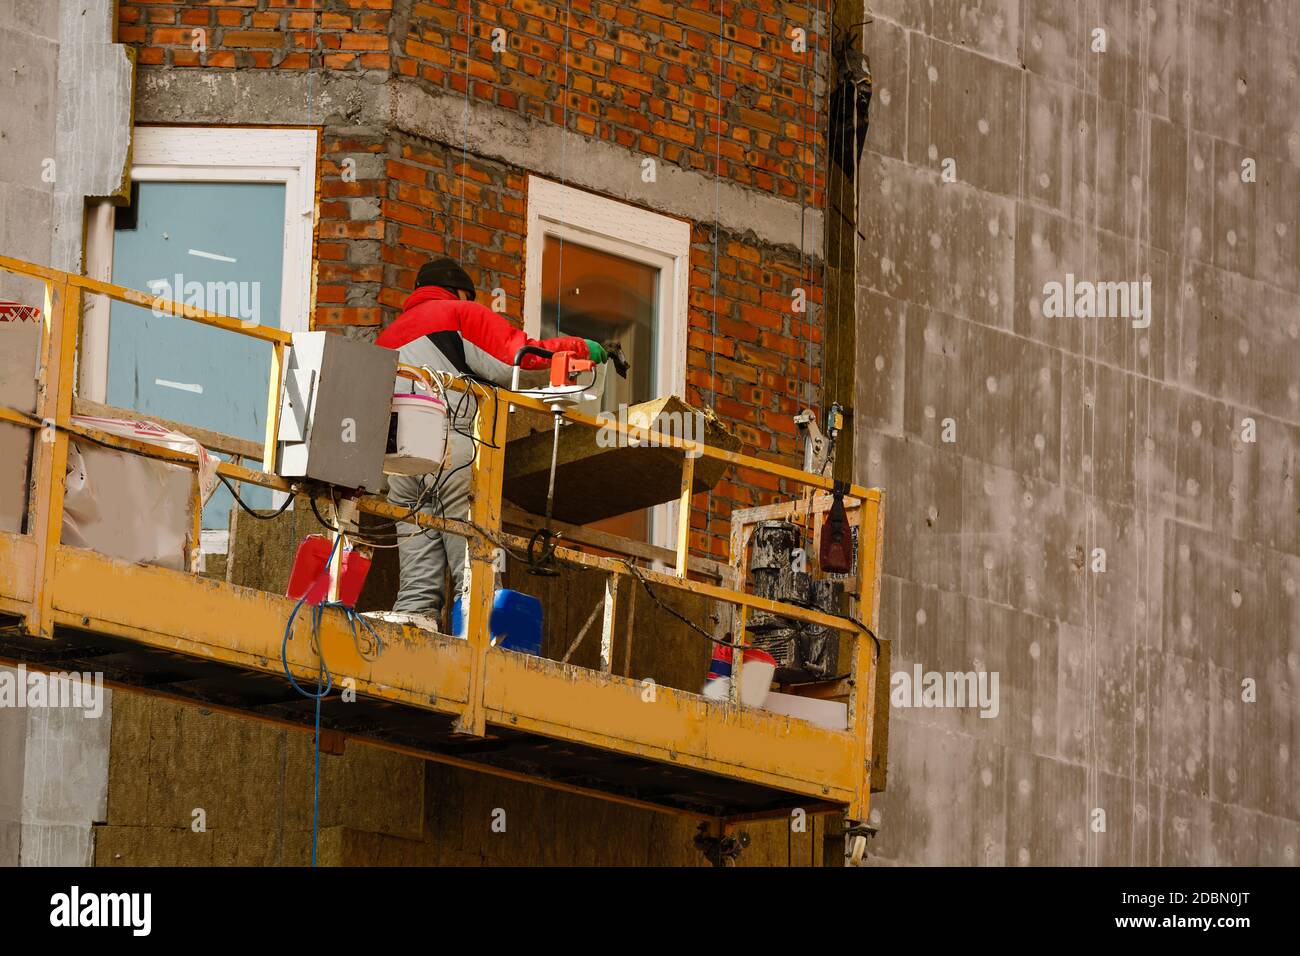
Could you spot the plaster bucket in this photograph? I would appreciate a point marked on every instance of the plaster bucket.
(421, 434)
(755, 676)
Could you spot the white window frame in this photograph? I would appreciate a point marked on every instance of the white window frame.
(217, 155)
(634, 233)
(622, 230)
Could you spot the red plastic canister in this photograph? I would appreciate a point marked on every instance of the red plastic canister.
(310, 574)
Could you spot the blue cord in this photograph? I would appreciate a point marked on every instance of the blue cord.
(317, 612)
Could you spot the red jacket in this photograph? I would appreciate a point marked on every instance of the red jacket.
(468, 337)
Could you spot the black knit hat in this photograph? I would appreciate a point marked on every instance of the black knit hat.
(445, 273)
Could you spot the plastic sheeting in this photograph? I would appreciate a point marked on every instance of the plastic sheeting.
(127, 506)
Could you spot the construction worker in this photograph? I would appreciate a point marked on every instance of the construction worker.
(443, 328)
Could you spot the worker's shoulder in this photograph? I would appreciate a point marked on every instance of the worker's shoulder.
(477, 310)
(419, 319)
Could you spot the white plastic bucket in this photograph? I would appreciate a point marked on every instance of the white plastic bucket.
(755, 678)
(421, 434)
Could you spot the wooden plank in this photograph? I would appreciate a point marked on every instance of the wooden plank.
(862, 701)
(608, 623)
(193, 552)
(631, 633)
(880, 722)
(269, 450)
(485, 513)
(58, 354)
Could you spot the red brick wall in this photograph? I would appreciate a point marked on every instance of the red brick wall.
(760, 375)
(263, 34)
(440, 202)
(350, 232)
(295, 35)
(642, 75)
(762, 346)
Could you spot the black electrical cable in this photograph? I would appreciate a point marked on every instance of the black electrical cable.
(865, 630)
(288, 500)
(687, 621)
(319, 517)
(673, 611)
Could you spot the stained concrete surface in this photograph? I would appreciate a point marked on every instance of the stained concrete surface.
(1121, 690)
(65, 107)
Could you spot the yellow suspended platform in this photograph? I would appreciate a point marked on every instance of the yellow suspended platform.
(462, 702)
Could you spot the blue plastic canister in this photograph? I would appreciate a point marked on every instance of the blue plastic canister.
(516, 621)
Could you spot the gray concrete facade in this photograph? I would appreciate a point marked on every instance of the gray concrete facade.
(1103, 513)
(65, 107)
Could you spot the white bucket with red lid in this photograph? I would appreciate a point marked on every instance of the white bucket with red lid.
(756, 673)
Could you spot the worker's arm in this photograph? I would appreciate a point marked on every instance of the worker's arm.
(491, 344)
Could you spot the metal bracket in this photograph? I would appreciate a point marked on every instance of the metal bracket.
(720, 850)
(819, 446)
(857, 836)
(347, 516)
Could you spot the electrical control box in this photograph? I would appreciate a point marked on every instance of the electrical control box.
(334, 407)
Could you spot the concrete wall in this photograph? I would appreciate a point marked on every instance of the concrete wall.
(28, 42)
(65, 104)
(29, 31)
(1121, 690)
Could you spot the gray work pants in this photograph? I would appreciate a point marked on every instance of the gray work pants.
(426, 557)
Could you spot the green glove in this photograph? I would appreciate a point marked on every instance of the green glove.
(596, 352)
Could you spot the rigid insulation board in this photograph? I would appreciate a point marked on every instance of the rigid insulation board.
(593, 481)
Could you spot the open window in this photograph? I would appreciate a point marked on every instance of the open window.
(602, 269)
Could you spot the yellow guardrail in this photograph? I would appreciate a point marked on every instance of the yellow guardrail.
(483, 528)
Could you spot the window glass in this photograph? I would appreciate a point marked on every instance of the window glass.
(219, 246)
(598, 295)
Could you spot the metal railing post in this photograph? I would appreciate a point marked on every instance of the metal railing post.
(273, 408)
(862, 695)
(50, 458)
(485, 512)
(684, 514)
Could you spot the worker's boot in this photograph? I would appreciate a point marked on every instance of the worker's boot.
(425, 622)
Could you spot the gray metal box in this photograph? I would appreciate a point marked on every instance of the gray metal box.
(334, 409)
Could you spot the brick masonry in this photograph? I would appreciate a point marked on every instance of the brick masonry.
(641, 75)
